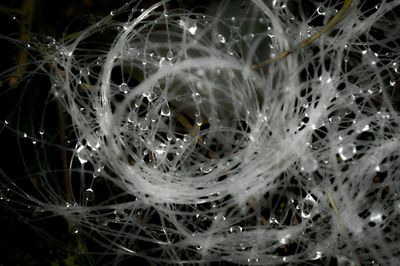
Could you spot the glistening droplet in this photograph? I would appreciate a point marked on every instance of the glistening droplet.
(347, 151)
(89, 194)
(83, 154)
(165, 111)
(124, 88)
(170, 55)
(221, 38)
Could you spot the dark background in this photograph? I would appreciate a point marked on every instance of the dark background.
(21, 104)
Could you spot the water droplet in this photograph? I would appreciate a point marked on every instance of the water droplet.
(235, 34)
(151, 96)
(309, 164)
(119, 215)
(112, 13)
(93, 141)
(199, 121)
(396, 67)
(170, 55)
(206, 168)
(132, 52)
(307, 206)
(165, 111)
(244, 246)
(161, 149)
(124, 88)
(83, 154)
(235, 229)
(57, 91)
(317, 255)
(180, 143)
(89, 194)
(187, 138)
(219, 218)
(75, 229)
(197, 97)
(85, 72)
(347, 151)
(392, 83)
(188, 25)
(321, 10)
(376, 217)
(192, 29)
(65, 51)
(382, 167)
(221, 38)
(362, 127)
(335, 119)
(374, 90)
(252, 261)
(3, 196)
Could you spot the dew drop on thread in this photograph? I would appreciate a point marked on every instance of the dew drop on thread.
(347, 151)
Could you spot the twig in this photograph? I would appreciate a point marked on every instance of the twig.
(26, 12)
(64, 158)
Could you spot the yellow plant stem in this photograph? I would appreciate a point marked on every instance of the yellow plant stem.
(26, 12)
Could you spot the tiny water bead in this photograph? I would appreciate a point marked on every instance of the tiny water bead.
(221, 38)
(189, 25)
(75, 229)
(383, 167)
(124, 88)
(362, 127)
(197, 97)
(235, 229)
(206, 168)
(161, 149)
(253, 261)
(165, 110)
(89, 194)
(309, 164)
(198, 120)
(347, 151)
(83, 154)
(307, 206)
(170, 55)
(85, 72)
(3, 197)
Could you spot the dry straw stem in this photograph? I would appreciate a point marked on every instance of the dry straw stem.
(26, 12)
(330, 25)
(340, 220)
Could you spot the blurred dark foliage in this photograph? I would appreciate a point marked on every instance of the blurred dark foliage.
(20, 242)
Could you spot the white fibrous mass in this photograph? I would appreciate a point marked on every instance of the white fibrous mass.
(189, 151)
